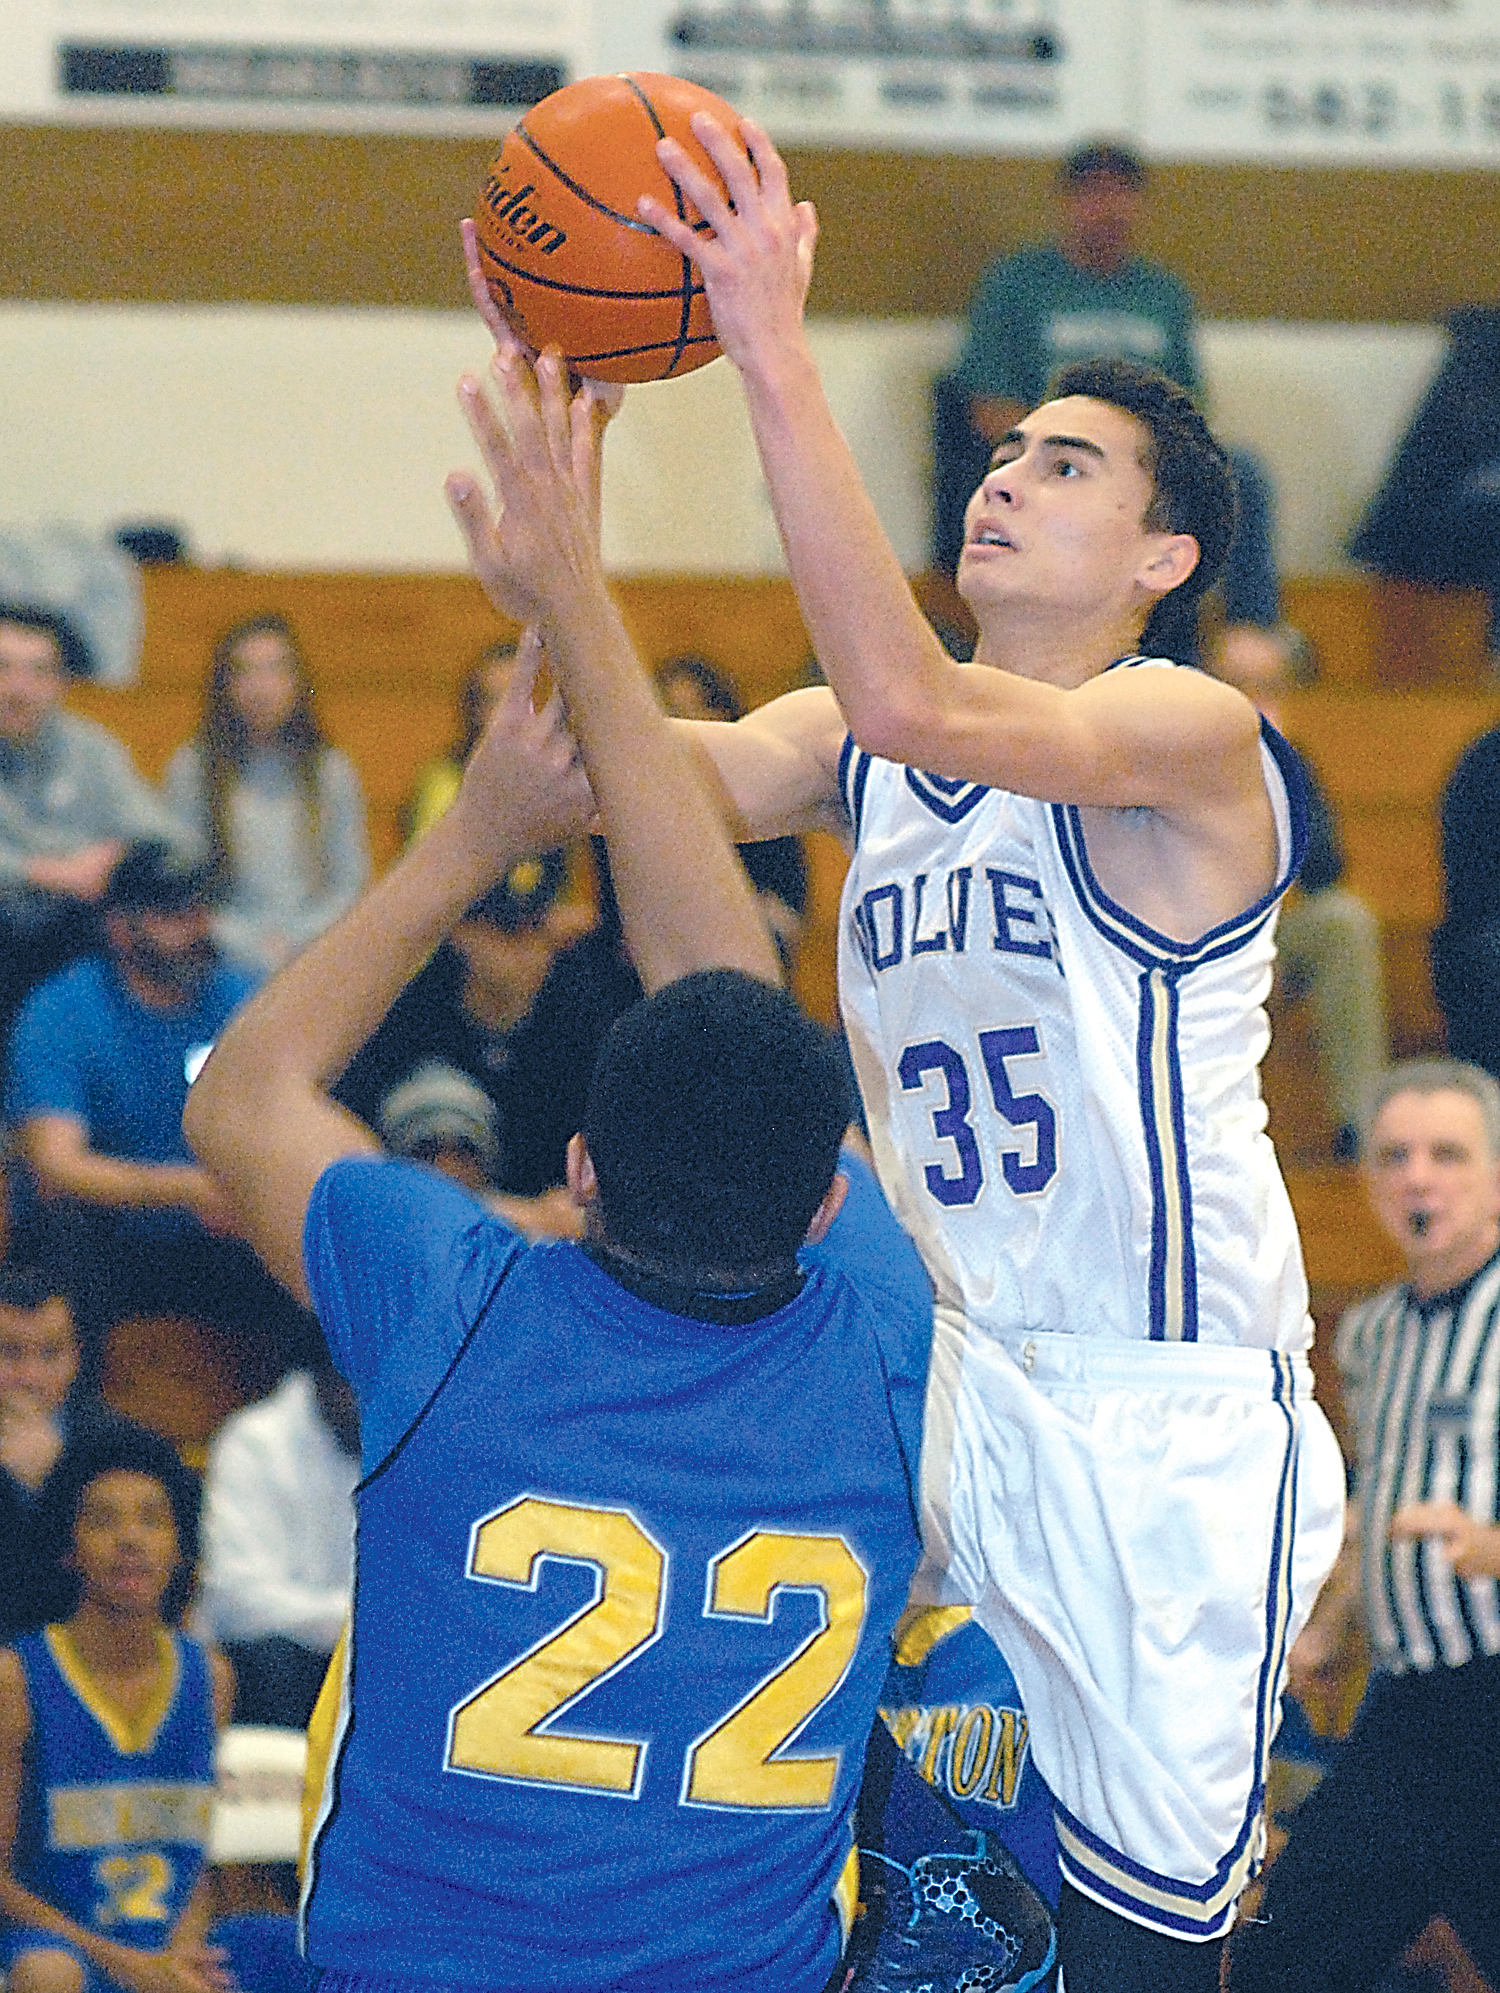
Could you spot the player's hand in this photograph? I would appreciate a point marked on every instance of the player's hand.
(1470, 1546)
(757, 263)
(541, 448)
(524, 785)
(209, 1965)
(608, 394)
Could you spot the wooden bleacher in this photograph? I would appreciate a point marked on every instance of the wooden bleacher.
(1404, 685)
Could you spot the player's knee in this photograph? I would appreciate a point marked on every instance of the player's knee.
(45, 1972)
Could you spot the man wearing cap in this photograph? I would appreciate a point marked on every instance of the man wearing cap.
(101, 1059)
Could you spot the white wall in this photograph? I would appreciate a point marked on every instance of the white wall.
(319, 439)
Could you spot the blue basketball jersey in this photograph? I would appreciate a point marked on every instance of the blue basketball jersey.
(114, 1817)
(951, 1703)
(622, 1605)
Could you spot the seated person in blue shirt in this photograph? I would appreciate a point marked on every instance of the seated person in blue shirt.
(638, 1514)
(111, 1198)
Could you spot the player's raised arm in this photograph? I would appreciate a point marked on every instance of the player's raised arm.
(756, 267)
(1015, 721)
(684, 900)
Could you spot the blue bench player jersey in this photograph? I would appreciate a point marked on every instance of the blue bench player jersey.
(624, 1588)
(114, 1818)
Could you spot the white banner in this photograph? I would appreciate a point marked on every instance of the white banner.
(359, 64)
(1356, 82)
(1375, 82)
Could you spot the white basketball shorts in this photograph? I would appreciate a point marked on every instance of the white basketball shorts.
(1142, 1528)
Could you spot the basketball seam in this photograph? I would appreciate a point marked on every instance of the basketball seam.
(686, 288)
(487, 254)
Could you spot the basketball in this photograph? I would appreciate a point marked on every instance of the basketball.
(564, 253)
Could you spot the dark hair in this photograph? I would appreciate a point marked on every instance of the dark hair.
(28, 1288)
(224, 742)
(73, 654)
(1102, 155)
(1191, 477)
(119, 1447)
(150, 877)
(718, 694)
(474, 699)
(713, 1121)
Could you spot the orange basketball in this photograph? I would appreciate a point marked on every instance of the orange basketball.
(566, 256)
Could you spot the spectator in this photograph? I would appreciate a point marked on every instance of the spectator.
(277, 809)
(278, 1534)
(44, 1422)
(69, 801)
(101, 1060)
(1327, 939)
(1436, 516)
(107, 1730)
(445, 1119)
(468, 1010)
(1466, 948)
(1087, 295)
(1406, 1824)
(691, 689)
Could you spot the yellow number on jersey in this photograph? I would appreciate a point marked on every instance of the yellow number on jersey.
(741, 1761)
(136, 1889)
(499, 1731)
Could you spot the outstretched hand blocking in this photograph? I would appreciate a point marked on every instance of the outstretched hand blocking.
(757, 263)
(540, 445)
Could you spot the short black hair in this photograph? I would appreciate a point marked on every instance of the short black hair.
(119, 1446)
(28, 1288)
(73, 653)
(1102, 155)
(150, 877)
(713, 1121)
(1191, 476)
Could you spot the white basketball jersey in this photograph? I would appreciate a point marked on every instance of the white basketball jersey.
(1064, 1104)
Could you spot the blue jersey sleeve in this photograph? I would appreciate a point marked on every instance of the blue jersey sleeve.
(868, 1246)
(401, 1263)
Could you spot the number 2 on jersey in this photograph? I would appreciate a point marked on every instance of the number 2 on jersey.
(951, 1116)
(507, 1729)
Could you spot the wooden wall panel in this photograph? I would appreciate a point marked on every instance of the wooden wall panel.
(196, 217)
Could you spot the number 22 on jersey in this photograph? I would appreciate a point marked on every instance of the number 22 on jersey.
(510, 1727)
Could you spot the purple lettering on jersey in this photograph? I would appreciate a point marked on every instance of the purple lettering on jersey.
(958, 907)
(883, 950)
(923, 944)
(1012, 914)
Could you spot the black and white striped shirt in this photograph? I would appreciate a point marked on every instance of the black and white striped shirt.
(1422, 1380)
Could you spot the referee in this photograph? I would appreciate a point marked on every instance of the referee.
(1406, 1825)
